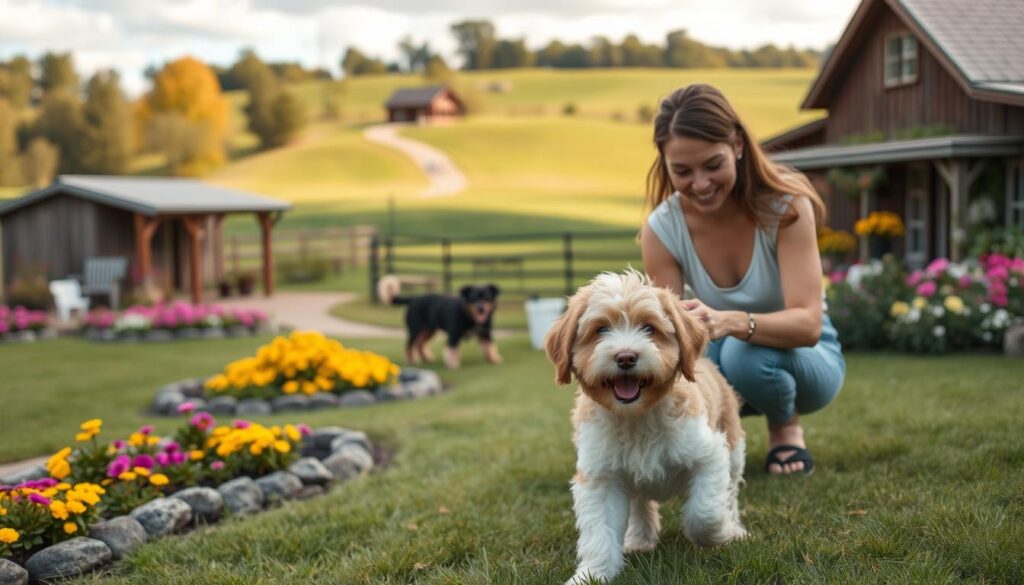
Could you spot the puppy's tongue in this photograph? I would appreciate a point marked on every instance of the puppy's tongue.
(626, 386)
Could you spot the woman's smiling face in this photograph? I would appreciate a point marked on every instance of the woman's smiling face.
(703, 172)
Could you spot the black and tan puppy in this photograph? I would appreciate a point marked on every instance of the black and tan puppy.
(459, 316)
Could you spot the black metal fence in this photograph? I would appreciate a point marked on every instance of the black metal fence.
(523, 265)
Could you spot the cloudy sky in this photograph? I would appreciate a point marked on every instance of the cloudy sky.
(130, 34)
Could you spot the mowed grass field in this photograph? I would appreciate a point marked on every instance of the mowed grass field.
(530, 168)
(919, 472)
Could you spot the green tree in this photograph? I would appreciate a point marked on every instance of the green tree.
(107, 141)
(39, 164)
(511, 53)
(636, 54)
(683, 51)
(62, 123)
(604, 53)
(16, 81)
(550, 54)
(187, 100)
(476, 41)
(57, 73)
(437, 71)
(10, 171)
(275, 115)
(356, 63)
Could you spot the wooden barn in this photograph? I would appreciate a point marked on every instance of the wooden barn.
(925, 102)
(424, 104)
(169, 230)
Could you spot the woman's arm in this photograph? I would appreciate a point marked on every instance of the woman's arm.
(659, 263)
(799, 324)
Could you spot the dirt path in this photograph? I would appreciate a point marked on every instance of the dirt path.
(445, 177)
(310, 311)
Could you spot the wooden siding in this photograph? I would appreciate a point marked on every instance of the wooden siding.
(861, 104)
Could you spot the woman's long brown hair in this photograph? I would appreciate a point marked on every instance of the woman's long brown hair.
(700, 111)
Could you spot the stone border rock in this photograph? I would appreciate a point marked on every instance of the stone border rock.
(412, 383)
(160, 334)
(330, 455)
(27, 336)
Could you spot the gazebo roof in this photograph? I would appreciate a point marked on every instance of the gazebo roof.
(940, 147)
(151, 196)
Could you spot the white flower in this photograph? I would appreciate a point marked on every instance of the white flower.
(913, 315)
(1000, 318)
(132, 322)
(956, 270)
(985, 307)
(213, 321)
(938, 331)
(938, 311)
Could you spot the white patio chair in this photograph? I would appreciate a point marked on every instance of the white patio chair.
(67, 295)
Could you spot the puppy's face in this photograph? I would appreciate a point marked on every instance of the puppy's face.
(479, 301)
(626, 341)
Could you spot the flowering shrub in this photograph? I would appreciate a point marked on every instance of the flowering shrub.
(45, 511)
(21, 319)
(173, 316)
(839, 243)
(305, 362)
(943, 307)
(885, 224)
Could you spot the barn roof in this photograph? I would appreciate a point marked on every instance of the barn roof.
(151, 195)
(977, 41)
(411, 97)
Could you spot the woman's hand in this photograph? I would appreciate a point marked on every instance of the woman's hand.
(718, 323)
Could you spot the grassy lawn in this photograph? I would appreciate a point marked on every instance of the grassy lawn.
(919, 472)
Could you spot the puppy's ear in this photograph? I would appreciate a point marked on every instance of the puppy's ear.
(494, 290)
(560, 339)
(465, 291)
(690, 334)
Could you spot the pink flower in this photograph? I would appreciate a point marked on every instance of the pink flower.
(177, 458)
(39, 499)
(304, 430)
(119, 465)
(217, 465)
(965, 281)
(937, 266)
(172, 446)
(926, 289)
(143, 461)
(163, 459)
(146, 430)
(202, 421)
(836, 276)
(241, 424)
(119, 444)
(186, 407)
(914, 277)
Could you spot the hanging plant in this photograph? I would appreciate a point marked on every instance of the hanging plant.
(852, 181)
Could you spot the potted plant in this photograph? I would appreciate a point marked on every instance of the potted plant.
(224, 287)
(880, 228)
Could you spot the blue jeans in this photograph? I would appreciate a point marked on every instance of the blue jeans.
(779, 382)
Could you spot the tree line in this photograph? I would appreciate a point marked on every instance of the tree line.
(50, 123)
(481, 48)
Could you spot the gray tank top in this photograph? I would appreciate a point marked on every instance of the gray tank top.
(760, 289)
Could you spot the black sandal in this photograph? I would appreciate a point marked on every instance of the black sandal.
(800, 454)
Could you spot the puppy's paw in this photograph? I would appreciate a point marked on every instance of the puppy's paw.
(636, 544)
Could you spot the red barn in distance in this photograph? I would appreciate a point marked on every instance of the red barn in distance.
(424, 104)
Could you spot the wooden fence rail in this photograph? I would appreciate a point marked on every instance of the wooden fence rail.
(343, 247)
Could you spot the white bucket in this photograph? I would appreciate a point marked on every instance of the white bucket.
(540, 316)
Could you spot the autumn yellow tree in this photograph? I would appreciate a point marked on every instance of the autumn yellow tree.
(186, 97)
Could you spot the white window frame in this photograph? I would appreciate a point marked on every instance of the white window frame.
(917, 190)
(1015, 195)
(900, 55)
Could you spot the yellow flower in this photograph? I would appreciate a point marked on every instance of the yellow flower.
(63, 486)
(292, 433)
(899, 308)
(58, 510)
(282, 446)
(159, 479)
(954, 304)
(8, 535)
(196, 455)
(82, 437)
(255, 449)
(290, 387)
(142, 471)
(76, 507)
(92, 425)
(3, 511)
(920, 303)
(127, 476)
(70, 527)
(59, 469)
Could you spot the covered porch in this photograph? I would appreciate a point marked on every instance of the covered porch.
(929, 182)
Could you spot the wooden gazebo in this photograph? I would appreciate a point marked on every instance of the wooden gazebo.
(174, 223)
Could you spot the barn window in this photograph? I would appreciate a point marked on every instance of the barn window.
(1015, 201)
(900, 60)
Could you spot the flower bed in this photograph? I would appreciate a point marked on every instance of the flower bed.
(944, 307)
(101, 499)
(21, 324)
(175, 320)
(295, 372)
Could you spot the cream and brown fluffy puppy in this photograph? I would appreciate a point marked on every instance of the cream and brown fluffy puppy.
(653, 419)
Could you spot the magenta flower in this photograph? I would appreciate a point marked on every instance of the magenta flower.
(163, 459)
(172, 446)
(143, 461)
(217, 465)
(914, 277)
(119, 444)
(146, 430)
(965, 281)
(119, 465)
(241, 424)
(202, 421)
(177, 458)
(304, 430)
(186, 407)
(39, 499)
(937, 266)
(926, 289)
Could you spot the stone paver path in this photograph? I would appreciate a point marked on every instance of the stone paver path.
(445, 177)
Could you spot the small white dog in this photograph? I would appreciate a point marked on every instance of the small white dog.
(653, 419)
